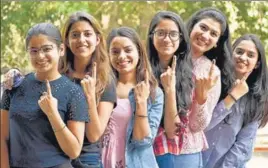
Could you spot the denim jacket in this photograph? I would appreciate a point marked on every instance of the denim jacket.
(139, 153)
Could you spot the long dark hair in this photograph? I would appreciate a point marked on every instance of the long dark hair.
(257, 98)
(99, 55)
(184, 82)
(223, 52)
(143, 62)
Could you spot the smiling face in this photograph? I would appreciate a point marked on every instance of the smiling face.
(82, 39)
(124, 55)
(44, 54)
(205, 35)
(246, 57)
(166, 39)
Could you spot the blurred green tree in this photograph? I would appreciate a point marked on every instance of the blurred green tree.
(18, 17)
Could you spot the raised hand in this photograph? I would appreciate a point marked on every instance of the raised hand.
(89, 83)
(168, 78)
(12, 79)
(240, 87)
(204, 84)
(47, 102)
(142, 89)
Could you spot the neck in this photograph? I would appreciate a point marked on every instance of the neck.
(80, 65)
(238, 75)
(50, 76)
(128, 78)
(196, 54)
(164, 63)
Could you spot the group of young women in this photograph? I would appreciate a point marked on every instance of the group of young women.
(188, 99)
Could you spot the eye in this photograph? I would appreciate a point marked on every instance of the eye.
(128, 50)
(88, 34)
(214, 34)
(203, 27)
(239, 51)
(47, 48)
(251, 55)
(160, 33)
(75, 35)
(114, 52)
(174, 33)
(33, 51)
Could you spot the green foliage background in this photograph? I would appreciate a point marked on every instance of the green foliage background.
(18, 17)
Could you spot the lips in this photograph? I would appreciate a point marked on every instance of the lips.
(201, 42)
(123, 64)
(42, 64)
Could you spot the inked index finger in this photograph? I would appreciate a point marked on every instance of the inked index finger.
(212, 68)
(244, 78)
(94, 70)
(48, 88)
(146, 76)
(174, 63)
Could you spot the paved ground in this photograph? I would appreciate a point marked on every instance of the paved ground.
(260, 156)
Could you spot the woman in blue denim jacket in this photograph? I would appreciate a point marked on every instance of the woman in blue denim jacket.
(140, 101)
(236, 119)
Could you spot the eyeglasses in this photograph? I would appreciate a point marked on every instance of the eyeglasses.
(45, 49)
(161, 34)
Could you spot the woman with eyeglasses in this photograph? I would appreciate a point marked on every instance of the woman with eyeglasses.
(169, 53)
(43, 119)
(86, 63)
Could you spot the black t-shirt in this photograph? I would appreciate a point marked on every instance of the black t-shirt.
(90, 150)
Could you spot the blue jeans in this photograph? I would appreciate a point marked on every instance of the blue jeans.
(168, 160)
(90, 160)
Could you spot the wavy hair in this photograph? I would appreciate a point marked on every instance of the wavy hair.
(99, 56)
(143, 63)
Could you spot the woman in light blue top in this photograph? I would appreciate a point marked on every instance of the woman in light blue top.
(135, 83)
(236, 118)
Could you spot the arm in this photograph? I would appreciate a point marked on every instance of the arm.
(99, 116)
(241, 150)
(70, 138)
(153, 121)
(171, 116)
(98, 119)
(4, 139)
(201, 114)
(220, 112)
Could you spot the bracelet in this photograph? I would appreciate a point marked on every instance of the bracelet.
(143, 116)
(232, 97)
(59, 129)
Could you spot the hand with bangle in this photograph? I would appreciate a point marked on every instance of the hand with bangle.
(240, 88)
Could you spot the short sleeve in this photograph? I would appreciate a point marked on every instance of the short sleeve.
(77, 105)
(5, 100)
(109, 93)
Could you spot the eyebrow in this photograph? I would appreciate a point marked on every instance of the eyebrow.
(45, 45)
(251, 52)
(210, 28)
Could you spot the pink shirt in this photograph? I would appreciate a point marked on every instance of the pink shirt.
(199, 117)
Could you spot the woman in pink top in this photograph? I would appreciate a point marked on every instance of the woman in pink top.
(187, 109)
(134, 122)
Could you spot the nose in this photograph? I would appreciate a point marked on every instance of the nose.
(122, 55)
(40, 54)
(167, 38)
(82, 38)
(243, 56)
(205, 35)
